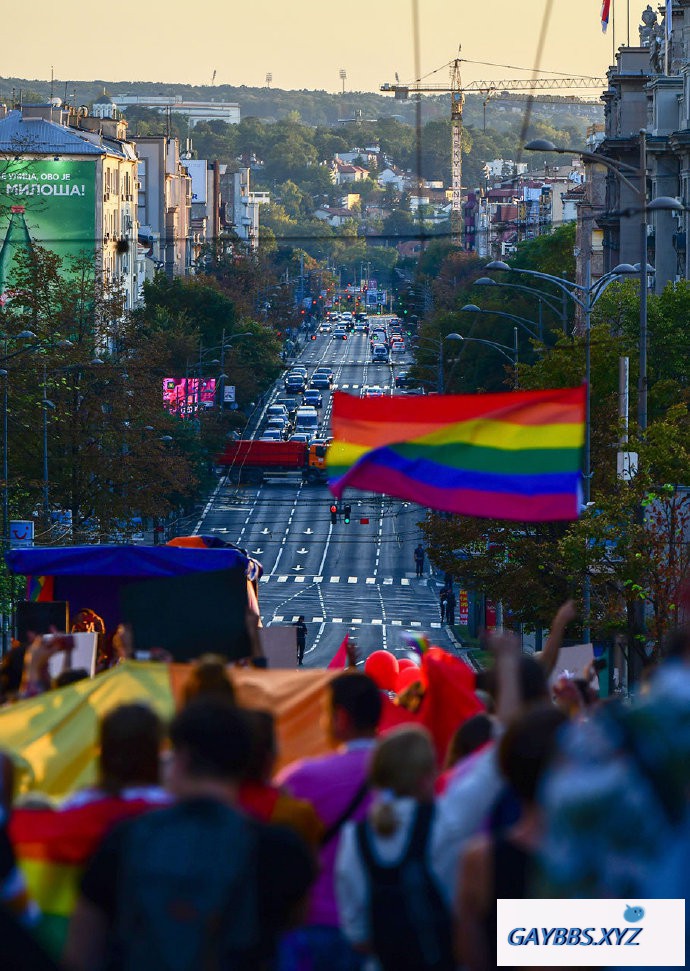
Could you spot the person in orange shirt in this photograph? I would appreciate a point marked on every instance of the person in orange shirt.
(268, 802)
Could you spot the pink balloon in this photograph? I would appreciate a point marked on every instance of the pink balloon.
(382, 667)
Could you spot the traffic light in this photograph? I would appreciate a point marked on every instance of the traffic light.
(334, 513)
(346, 513)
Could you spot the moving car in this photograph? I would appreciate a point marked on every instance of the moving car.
(271, 435)
(277, 410)
(402, 380)
(325, 328)
(373, 391)
(340, 334)
(313, 397)
(324, 369)
(320, 380)
(295, 383)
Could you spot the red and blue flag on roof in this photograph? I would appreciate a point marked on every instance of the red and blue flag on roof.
(605, 10)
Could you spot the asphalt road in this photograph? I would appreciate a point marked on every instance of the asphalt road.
(357, 577)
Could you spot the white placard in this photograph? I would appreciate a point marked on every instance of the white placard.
(83, 655)
(21, 533)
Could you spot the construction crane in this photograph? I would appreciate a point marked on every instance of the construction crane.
(457, 90)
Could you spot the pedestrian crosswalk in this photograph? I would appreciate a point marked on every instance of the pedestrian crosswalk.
(353, 621)
(385, 581)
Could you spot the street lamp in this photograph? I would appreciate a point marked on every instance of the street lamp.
(585, 296)
(438, 344)
(510, 353)
(472, 308)
(660, 203)
(560, 312)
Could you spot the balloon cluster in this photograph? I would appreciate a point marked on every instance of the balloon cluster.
(391, 673)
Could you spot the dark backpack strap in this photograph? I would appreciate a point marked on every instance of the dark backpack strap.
(351, 808)
(417, 847)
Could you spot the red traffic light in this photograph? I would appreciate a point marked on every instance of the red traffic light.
(334, 508)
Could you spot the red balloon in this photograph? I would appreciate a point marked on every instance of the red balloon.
(382, 667)
(408, 676)
(406, 662)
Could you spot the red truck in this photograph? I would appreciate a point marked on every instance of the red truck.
(251, 461)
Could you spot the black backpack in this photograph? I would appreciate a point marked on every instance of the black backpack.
(188, 892)
(410, 925)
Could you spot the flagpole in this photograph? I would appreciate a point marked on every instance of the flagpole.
(628, 22)
(613, 31)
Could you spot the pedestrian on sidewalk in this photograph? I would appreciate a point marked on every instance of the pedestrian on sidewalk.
(301, 629)
(450, 607)
(443, 602)
(419, 559)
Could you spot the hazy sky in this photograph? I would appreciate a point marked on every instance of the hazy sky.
(304, 43)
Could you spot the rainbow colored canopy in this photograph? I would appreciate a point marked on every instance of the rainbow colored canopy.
(514, 455)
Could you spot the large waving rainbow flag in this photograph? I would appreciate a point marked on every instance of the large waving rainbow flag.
(515, 455)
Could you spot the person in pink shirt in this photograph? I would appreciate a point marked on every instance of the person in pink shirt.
(337, 787)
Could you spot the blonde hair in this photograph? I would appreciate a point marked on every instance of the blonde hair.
(403, 760)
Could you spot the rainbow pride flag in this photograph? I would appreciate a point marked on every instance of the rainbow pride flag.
(515, 455)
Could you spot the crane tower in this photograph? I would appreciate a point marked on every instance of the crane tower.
(457, 98)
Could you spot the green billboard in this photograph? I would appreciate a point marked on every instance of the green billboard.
(49, 202)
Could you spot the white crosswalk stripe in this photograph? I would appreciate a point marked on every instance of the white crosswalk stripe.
(371, 581)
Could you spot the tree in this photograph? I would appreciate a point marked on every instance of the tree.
(632, 541)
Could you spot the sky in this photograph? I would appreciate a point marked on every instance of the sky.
(305, 43)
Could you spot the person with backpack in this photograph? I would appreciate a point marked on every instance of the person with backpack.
(389, 898)
(197, 885)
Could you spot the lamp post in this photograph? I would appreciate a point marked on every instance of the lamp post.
(585, 296)
(472, 308)
(622, 171)
(438, 344)
(543, 298)
(510, 353)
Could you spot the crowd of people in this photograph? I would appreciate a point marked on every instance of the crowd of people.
(189, 851)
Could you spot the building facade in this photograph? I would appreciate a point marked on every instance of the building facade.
(73, 176)
(165, 204)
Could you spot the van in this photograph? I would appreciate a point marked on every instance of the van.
(379, 354)
(307, 420)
